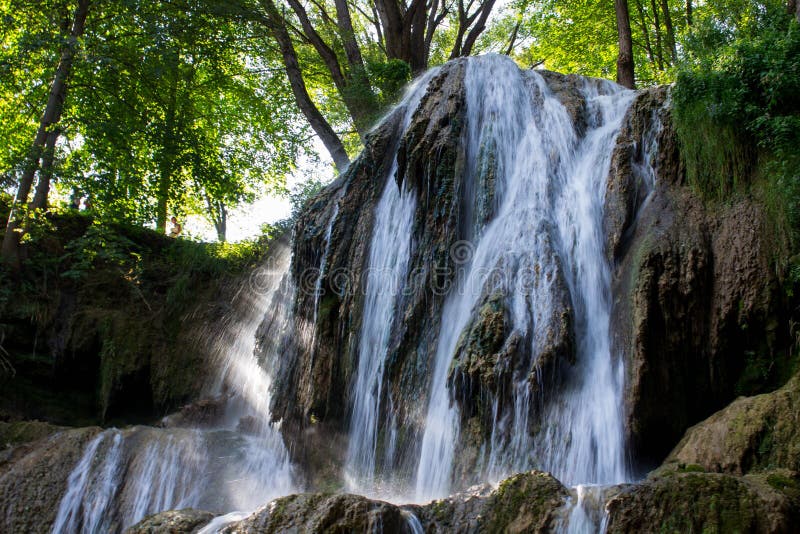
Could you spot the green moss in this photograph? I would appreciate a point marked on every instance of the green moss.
(690, 468)
(782, 482)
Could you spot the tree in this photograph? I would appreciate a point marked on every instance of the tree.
(793, 8)
(170, 110)
(46, 135)
(354, 42)
(625, 74)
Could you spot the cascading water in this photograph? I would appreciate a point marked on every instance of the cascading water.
(388, 263)
(536, 247)
(237, 463)
(547, 227)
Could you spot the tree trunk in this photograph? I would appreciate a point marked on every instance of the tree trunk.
(625, 75)
(477, 30)
(46, 172)
(673, 49)
(358, 95)
(221, 222)
(326, 134)
(50, 117)
(688, 12)
(793, 8)
(657, 26)
(645, 33)
(167, 159)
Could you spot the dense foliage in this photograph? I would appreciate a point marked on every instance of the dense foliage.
(737, 109)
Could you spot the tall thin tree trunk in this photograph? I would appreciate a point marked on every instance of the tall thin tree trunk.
(688, 12)
(46, 172)
(321, 126)
(167, 159)
(793, 8)
(657, 25)
(50, 117)
(221, 223)
(645, 33)
(625, 75)
(673, 49)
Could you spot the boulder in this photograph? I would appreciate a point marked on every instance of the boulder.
(678, 501)
(752, 433)
(32, 485)
(187, 521)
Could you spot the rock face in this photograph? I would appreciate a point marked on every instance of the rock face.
(528, 502)
(697, 300)
(699, 314)
(317, 381)
(32, 484)
(706, 502)
(172, 522)
(751, 434)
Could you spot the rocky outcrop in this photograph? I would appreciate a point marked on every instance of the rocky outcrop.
(173, 522)
(698, 302)
(106, 325)
(751, 434)
(707, 502)
(32, 483)
(331, 251)
(314, 383)
(317, 512)
(528, 502)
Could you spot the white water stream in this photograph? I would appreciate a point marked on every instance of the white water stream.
(236, 463)
(549, 204)
(387, 270)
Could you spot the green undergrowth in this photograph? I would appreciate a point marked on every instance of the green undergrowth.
(104, 317)
(737, 116)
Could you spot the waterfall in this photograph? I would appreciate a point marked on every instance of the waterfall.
(545, 238)
(237, 462)
(386, 273)
(533, 246)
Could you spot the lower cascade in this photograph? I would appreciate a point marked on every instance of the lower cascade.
(451, 340)
(232, 459)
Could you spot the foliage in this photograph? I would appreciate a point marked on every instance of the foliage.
(736, 104)
(169, 110)
(579, 36)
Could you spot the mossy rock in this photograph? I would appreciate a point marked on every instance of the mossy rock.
(689, 502)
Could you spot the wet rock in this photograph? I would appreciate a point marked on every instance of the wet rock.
(19, 432)
(316, 512)
(706, 502)
(32, 485)
(172, 522)
(567, 88)
(697, 302)
(752, 433)
(528, 502)
(313, 380)
(203, 413)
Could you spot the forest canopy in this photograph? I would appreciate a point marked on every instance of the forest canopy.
(152, 109)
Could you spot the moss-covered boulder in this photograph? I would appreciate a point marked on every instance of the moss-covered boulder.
(319, 512)
(186, 521)
(688, 501)
(31, 485)
(752, 433)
